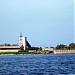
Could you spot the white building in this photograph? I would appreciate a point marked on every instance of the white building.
(22, 41)
(47, 49)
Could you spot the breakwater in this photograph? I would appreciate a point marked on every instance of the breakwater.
(64, 51)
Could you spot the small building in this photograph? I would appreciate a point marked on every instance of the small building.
(47, 49)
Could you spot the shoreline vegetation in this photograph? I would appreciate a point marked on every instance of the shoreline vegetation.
(28, 52)
(19, 53)
(59, 49)
(22, 53)
(45, 52)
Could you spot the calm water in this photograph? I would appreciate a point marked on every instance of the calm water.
(40, 64)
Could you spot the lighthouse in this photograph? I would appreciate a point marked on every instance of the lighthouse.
(22, 41)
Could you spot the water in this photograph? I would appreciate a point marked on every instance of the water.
(40, 64)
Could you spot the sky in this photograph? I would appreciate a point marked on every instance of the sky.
(74, 21)
(45, 23)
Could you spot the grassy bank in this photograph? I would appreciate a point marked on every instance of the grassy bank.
(18, 53)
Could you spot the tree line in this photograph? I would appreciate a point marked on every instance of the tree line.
(71, 46)
(8, 44)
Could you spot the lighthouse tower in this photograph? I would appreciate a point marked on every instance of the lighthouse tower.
(22, 41)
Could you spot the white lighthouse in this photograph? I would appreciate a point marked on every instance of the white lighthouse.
(22, 41)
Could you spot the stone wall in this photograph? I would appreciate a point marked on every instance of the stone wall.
(64, 51)
(9, 46)
(9, 50)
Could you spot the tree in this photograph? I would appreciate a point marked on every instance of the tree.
(22, 48)
(62, 46)
(72, 46)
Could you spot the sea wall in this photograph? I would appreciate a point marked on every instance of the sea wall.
(64, 51)
(9, 50)
(9, 47)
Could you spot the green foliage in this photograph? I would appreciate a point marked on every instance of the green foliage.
(72, 46)
(22, 47)
(62, 46)
(18, 53)
(65, 47)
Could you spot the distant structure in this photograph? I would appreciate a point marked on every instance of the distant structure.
(23, 42)
(16, 48)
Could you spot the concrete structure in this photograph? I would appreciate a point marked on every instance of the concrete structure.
(64, 51)
(23, 41)
(9, 48)
(47, 49)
